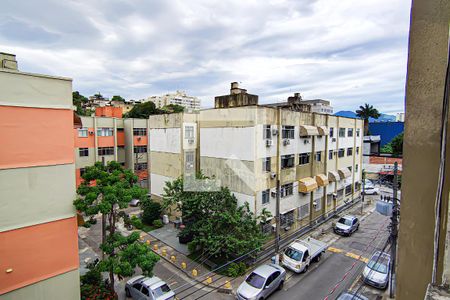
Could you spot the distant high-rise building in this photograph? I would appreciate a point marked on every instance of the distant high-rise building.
(400, 117)
(178, 98)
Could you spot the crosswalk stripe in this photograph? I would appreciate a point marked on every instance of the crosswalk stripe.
(348, 254)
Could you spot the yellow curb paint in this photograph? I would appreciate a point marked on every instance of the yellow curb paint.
(163, 252)
(155, 247)
(173, 258)
(353, 255)
(335, 250)
(147, 242)
(183, 265)
(194, 272)
(208, 280)
(364, 259)
(227, 285)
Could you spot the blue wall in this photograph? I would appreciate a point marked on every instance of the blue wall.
(387, 130)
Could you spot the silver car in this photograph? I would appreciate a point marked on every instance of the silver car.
(351, 296)
(346, 225)
(262, 282)
(376, 272)
(145, 288)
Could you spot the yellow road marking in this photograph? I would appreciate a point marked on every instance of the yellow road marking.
(349, 254)
(335, 250)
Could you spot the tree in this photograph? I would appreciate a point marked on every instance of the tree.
(106, 190)
(117, 98)
(143, 110)
(151, 211)
(78, 100)
(172, 108)
(395, 146)
(365, 112)
(217, 224)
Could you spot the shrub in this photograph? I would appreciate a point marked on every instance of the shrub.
(151, 211)
(158, 223)
(136, 222)
(236, 269)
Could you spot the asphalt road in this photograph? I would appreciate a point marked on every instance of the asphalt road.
(327, 274)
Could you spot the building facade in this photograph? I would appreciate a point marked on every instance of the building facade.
(316, 157)
(320, 106)
(109, 138)
(38, 226)
(178, 98)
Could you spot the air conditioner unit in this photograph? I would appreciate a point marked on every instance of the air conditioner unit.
(273, 194)
(269, 143)
(273, 175)
(190, 141)
(286, 142)
(275, 131)
(306, 141)
(333, 140)
(315, 203)
(91, 132)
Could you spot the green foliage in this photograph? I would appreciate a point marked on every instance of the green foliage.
(151, 211)
(143, 110)
(157, 223)
(219, 226)
(365, 112)
(236, 269)
(78, 100)
(386, 148)
(93, 286)
(395, 146)
(172, 108)
(117, 98)
(136, 222)
(106, 190)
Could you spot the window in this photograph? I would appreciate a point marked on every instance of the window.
(329, 199)
(357, 186)
(341, 132)
(145, 291)
(357, 150)
(266, 164)
(348, 190)
(190, 157)
(303, 158)
(140, 149)
(105, 131)
(318, 204)
(106, 151)
(349, 168)
(119, 129)
(341, 152)
(356, 168)
(319, 156)
(137, 286)
(189, 132)
(287, 190)
(84, 152)
(265, 196)
(287, 132)
(349, 151)
(357, 132)
(330, 154)
(266, 132)
(287, 161)
(340, 194)
(82, 132)
(303, 211)
(140, 131)
(287, 219)
(331, 131)
(82, 171)
(140, 166)
(350, 132)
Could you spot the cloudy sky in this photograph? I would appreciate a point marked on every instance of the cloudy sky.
(347, 51)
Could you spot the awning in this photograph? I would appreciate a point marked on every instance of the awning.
(322, 179)
(306, 130)
(286, 211)
(344, 173)
(323, 130)
(333, 176)
(307, 185)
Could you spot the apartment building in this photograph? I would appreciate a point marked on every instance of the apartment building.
(38, 226)
(248, 147)
(320, 106)
(178, 98)
(110, 138)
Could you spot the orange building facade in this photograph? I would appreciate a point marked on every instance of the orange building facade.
(38, 227)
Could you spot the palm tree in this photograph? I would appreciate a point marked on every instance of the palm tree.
(365, 112)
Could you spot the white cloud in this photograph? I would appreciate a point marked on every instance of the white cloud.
(347, 51)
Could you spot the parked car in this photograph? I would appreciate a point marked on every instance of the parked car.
(371, 190)
(145, 288)
(135, 202)
(262, 282)
(346, 225)
(351, 296)
(299, 255)
(376, 272)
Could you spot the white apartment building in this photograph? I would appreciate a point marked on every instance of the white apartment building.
(179, 98)
(316, 157)
(320, 106)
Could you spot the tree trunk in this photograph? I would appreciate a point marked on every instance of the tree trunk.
(366, 126)
(112, 229)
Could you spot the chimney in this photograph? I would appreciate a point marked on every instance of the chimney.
(8, 61)
(235, 89)
(237, 97)
(295, 99)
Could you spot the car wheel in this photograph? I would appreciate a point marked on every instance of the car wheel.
(127, 293)
(280, 286)
(305, 269)
(318, 257)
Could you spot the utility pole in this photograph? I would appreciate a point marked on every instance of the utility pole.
(394, 232)
(363, 190)
(103, 219)
(277, 209)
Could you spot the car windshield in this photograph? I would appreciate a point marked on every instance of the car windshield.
(349, 297)
(378, 266)
(255, 280)
(294, 254)
(345, 221)
(161, 290)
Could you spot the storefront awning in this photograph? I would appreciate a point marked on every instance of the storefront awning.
(307, 130)
(322, 179)
(323, 130)
(333, 176)
(307, 184)
(344, 173)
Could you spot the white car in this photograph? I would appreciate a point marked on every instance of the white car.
(145, 288)
(371, 190)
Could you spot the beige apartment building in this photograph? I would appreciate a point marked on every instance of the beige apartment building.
(247, 147)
